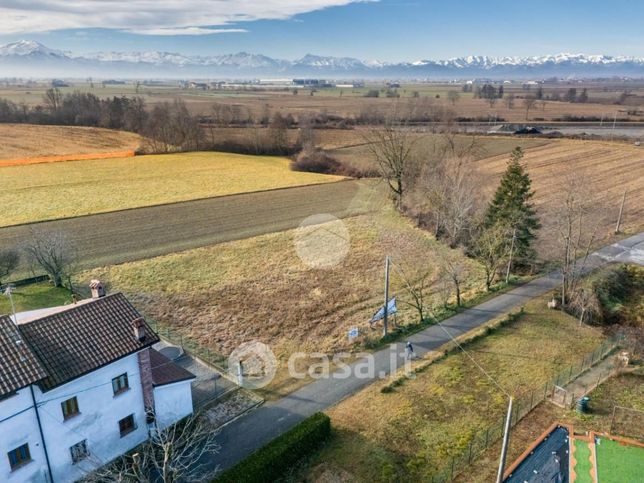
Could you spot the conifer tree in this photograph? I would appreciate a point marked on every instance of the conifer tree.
(512, 206)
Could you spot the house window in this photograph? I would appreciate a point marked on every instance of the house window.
(19, 456)
(126, 425)
(70, 408)
(120, 384)
(79, 451)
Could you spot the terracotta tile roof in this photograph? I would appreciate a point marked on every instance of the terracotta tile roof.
(164, 371)
(84, 338)
(19, 366)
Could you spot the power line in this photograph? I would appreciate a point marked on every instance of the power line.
(489, 376)
(496, 383)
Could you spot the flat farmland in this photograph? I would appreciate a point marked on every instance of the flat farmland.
(350, 102)
(29, 141)
(121, 236)
(38, 192)
(351, 106)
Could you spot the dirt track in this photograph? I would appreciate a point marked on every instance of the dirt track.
(128, 235)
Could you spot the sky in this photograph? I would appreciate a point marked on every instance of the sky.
(387, 30)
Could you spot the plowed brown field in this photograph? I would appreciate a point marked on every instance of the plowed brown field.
(19, 141)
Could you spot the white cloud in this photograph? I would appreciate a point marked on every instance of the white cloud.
(184, 31)
(149, 17)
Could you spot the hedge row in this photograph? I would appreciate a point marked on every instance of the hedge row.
(273, 460)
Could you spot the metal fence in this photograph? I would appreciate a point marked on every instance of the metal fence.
(206, 355)
(522, 405)
(627, 422)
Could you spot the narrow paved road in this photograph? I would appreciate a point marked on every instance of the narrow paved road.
(128, 235)
(254, 430)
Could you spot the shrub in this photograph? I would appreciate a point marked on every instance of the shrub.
(273, 460)
(316, 161)
(612, 285)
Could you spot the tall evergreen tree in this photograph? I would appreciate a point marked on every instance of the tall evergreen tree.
(512, 207)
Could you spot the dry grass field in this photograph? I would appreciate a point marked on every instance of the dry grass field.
(260, 289)
(48, 191)
(125, 236)
(353, 106)
(410, 433)
(606, 168)
(29, 141)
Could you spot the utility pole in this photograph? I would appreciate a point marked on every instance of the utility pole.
(9, 293)
(612, 132)
(506, 441)
(384, 325)
(621, 210)
(507, 273)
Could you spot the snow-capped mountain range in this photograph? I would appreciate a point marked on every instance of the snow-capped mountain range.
(32, 59)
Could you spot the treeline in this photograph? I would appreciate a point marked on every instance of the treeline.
(166, 127)
(78, 109)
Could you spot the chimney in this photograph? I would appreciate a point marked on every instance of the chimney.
(97, 288)
(139, 329)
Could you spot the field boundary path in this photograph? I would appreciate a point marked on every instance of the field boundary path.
(59, 158)
(137, 233)
(249, 433)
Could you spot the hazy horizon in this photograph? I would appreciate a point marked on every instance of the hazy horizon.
(385, 30)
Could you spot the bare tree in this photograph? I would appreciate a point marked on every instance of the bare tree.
(453, 97)
(392, 146)
(584, 301)
(278, 133)
(453, 268)
(9, 260)
(417, 280)
(53, 99)
(306, 137)
(54, 253)
(492, 249)
(577, 221)
(509, 101)
(529, 102)
(448, 189)
(171, 455)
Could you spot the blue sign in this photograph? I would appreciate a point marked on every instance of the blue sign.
(353, 333)
(391, 309)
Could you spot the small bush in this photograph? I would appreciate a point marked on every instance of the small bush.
(612, 286)
(273, 460)
(316, 161)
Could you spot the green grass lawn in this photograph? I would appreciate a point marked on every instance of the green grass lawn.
(55, 190)
(35, 296)
(618, 463)
(582, 456)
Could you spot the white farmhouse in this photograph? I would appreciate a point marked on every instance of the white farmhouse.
(79, 385)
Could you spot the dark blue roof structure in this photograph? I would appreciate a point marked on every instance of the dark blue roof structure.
(547, 463)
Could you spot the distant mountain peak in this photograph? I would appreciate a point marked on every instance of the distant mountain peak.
(23, 57)
(28, 47)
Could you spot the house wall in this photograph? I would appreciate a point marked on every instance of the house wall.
(172, 402)
(100, 410)
(18, 425)
(97, 422)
